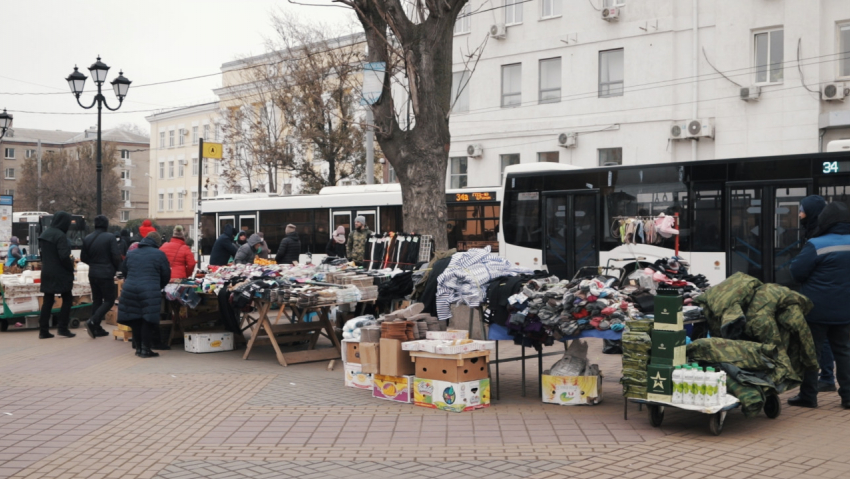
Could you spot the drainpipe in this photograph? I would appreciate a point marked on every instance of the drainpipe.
(695, 80)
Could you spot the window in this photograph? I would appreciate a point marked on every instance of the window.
(207, 167)
(511, 85)
(460, 81)
(844, 50)
(170, 201)
(170, 138)
(194, 167)
(180, 168)
(768, 56)
(125, 216)
(458, 171)
(611, 73)
(391, 176)
(10, 173)
(194, 204)
(206, 132)
(513, 11)
(549, 157)
(162, 139)
(218, 133)
(180, 201)
(610, 155)
(508, 160)
(125, 195)
(194, 135)
(161, 205)
(551, 8)
(29, 154)
(125, 154)
(550, 80)
(10, 193)
(216, 167)
(181, 140)
(10, 153)
(463, 23)
(161, 170)
(125, 174)
(171, 169)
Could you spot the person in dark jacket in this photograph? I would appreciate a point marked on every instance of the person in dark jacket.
(290, 247)
(224, 248)
(336, 246)
(246, 252)
(821, 268)
(124, 241)
(57, 274)
(146, 272)
(241, 238)
(103, 255)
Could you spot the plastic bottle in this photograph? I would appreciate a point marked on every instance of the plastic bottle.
(699, 382)
(677, 385)
(687, 385)
(721, 387)
(711, 383)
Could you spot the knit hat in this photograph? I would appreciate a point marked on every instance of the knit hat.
(178, 232)
(290, 228)
(339, 235)
(155, 237)
(360, 219)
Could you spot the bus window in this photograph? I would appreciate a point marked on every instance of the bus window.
(248, 224)
(342, 218)
(648, 200)
(788, 237)
(391, 218)
(835, 189)
(708, 218)
(321, 219)
(473, 226)
(522, 219)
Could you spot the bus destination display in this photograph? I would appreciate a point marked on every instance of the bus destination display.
(836, 167)
(471, 197)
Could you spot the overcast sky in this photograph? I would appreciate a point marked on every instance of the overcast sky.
(152, 41)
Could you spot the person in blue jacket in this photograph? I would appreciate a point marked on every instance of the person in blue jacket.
(224, 248)
(821, 268)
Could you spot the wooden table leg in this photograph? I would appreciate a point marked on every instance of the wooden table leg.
(264, 308)
(265, 323)
(323, 316)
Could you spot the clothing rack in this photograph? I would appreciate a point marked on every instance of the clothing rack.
(645, 218)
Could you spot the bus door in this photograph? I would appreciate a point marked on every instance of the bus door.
(342, 218)
(371, 219)
(570, 239)
(248, 223)
(224, 221)
(764, 228)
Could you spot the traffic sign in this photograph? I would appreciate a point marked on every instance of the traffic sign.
(212, 150)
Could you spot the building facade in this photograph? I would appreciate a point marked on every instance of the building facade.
(650, 81)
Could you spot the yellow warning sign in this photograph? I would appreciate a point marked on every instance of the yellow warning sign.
(212, 150)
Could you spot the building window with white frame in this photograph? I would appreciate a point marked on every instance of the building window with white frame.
(194, 167)
(181, 137)
(10, 173)
(458, 172)
(29, 154)
(768, 56)
(170, 201)
(218, 133)
(216, 167)
(161, 170)
(10, 154)
(206, 133)
(511, 85)
(550, 8)
(180, 201)
(125, 154)
(463, 23)
(194, 135)
(125, 174)
(611, 73)
(513, 11)
(9, 192)
(125, 216)
(207, 167)
(170, 138)
(161, 140)
(460, 82)
(125, 195)
(180, 168)
(550, 80)
(548, 157)
(161, 204)
(194, 205)
(610, 156)
(171, 168)
(507, 160)
(844, 50)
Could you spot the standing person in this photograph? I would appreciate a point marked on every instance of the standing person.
(357, 239)
(264, 247)
(810, 208)
(336, 246)
(146, 272)
(57, 274)
(13, 256)
(246, 252)
(124, 241)
(146, 229)
(289, 249)
(103, 255)
(821, 268)
(224, 248)
(179, 255)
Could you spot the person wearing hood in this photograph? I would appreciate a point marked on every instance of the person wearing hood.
(821, 269)
(13, 256)
(124, 241)
(103, 255)
(241, 238)
(224, 248)
(179, 255)
(246, 252)
(264, 247)
(357, 240)
(146, 228)
(146, 272)
(57, 274)
(289, 249)
(336, 246)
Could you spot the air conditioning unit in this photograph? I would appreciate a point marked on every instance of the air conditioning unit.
(567, 140)
(678, 131)
(182, 162)
(127, 204)
(834, 92)
(185, 131)
(611, 14)
(474, 151)
(184, 191)
(701, 128)
(498, 31)
(750, 93)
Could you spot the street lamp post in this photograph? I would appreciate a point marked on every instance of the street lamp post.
(5, 123)
(120, 85)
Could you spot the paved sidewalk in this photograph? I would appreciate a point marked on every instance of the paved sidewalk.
(91, 409)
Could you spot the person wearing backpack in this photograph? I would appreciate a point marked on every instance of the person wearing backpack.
(103, 255)
(179, 255)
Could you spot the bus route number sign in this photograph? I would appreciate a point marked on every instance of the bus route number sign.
(830, 167)
(471, 197)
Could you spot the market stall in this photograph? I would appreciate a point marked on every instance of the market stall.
(22, 300)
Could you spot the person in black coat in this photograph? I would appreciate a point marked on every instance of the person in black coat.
(102, 253)
(223, 249)
(290, 247)
(124, 241)
(146, 272)
(57, 274)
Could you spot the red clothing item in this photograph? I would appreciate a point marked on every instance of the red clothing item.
(179, 257)
(146, 228)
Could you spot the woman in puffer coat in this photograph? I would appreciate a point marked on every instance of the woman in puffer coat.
(146, 272)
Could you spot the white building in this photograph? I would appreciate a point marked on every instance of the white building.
(614, 89)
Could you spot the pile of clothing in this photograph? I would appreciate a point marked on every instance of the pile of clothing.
(673, 272)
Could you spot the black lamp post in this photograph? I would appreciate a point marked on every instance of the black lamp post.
(5, 123)
(121, 85)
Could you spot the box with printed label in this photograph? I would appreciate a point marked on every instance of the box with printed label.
(572, 390)
(393, 388)
(208, 342)
(351, 351)
(659, 382)
(454, 397)
(355, 377)
(668, 348)
(668, 313)
(455, 368)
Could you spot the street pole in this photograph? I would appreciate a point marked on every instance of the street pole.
(370, 146)
(200, 186)
(38, 190)
(99, 158)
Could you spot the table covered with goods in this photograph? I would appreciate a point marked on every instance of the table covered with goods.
(22, 298)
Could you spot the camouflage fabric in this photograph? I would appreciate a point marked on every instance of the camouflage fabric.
(633, 377)
(752, 398)
(743, 354)
(636, 350)
(356, 247)
(640, 326)
(723, 305)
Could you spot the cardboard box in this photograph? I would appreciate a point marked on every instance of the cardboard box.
(668, 348)
(668, 313)
(395, 361)
(208, 342)
(351, 354)
(355, 377)
(454, 397)
(392, 388)
(24, 304)
(452, 370)
(450, 334)
(119, 283)
(370, 357)
(112, 316)
(572, 390)
(659, 382)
